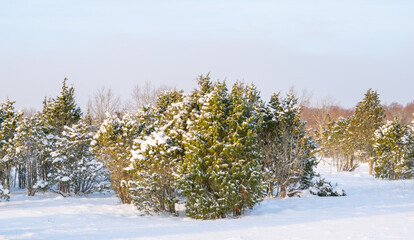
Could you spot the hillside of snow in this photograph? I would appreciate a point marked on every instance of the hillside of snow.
(372, 209)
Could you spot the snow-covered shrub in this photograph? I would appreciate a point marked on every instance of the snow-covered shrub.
(112, 145)
(323, 188)
(394, 146)
(4, 194)
(8, 124)
(41, 185)
(153, 189)
(221, 173)
(287, 148)
(156, 153)
(74, 168)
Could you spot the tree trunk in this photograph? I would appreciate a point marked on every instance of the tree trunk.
(270, 190)
(371, 166)
(282, 193)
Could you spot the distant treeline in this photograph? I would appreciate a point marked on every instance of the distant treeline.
(317, 116)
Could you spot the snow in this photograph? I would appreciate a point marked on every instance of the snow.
(58, 159)
(156, 138)
(65, 179)
(94, 143)
(372, 209)
(41, 184)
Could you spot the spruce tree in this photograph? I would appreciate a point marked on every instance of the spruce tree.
(56, 114)
(61, 111)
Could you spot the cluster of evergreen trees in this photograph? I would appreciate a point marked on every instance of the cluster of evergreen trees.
(218, 150)
(49, 150)
(388, 146)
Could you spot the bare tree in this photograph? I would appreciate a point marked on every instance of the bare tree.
(397, 110)
(322, 116)
(143, 95)
(103, 101)
(29, 112)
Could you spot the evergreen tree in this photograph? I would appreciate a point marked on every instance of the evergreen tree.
(244, 185)
(220, 175)
(74, 168)
(8, 124)
(29, 144)
(112, 145)
(286, 147)
(4, 194)
(367, 118)
(269, 136)
(349, 141)
(342, 139)
(56, 114)
(156, 153)
(203, 169)
(61, 111)
(394, 146)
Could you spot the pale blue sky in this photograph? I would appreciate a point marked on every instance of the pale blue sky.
(335, 49)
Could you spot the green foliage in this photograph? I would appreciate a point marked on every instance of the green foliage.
(4, 195)
(8, 125)
(323, 188)
(394, 145)
(220, 173)
(351, 140)
(112, 145)
(367, 118)
(157, 151)
(74, 168)
(56, 114)
(339, 143)
(61, 111)
(29, 147)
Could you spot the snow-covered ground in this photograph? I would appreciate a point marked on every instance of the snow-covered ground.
(373, 209)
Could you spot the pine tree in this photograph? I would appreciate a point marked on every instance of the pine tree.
(394, 146)
(56, 114)
(367, 118)
(61, 111)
